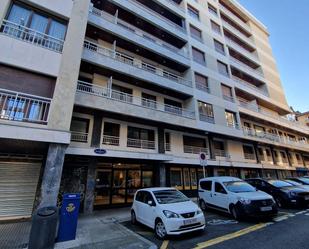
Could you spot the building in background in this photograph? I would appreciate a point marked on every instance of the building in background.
(303, 118)
(108, 96)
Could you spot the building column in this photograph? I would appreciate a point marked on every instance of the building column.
(273, 155)
(288, 157)
(97, 130)
(4, 6)
(90, 188)
(161, 140)
(52, 175)
(211, 148)
(161, 175)
(256, 151)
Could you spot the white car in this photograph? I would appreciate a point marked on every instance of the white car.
(167, 211)
(235, 196)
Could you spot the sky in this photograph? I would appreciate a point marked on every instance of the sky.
(288, 24)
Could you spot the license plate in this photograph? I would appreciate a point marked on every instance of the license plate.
(189, 221)
(263, 209)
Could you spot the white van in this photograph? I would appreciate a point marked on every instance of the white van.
(235, 196)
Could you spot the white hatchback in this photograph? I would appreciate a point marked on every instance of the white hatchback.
(167, 211)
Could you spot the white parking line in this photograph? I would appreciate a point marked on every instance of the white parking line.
(307, 214)
(301, 212)
(281, 218)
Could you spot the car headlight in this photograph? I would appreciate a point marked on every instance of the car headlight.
(244, 201)
(199, 211)
(170, 214)
(293, 194)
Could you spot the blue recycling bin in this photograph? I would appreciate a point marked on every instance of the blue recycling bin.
(68, 217)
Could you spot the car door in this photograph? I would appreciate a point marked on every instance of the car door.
(138, 206)
(205, 191)
(149, 210)
(220, 196)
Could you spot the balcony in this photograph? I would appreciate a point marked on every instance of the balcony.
(202, 87)
(155, 44)
(207, 118)
(153, 17)
(221, 153)
(246, 84)
(233, 125)
(270, 116)
(110, 140)
(247, 69)
(17, 106)
(228, 98)
(143, 144)
(79, 137)
(28, 35)
(250, 55)
(167, 147)
(195, 149)
(135, 67)
(249, 156)
(145, 104)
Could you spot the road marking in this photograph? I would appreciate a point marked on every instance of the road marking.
(216, 222)
(232, 235)
(281, 218)
(307, 214)
(164, 244)
(301, 212)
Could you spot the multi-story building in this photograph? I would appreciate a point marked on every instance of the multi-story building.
(303, 118)
(108, 96)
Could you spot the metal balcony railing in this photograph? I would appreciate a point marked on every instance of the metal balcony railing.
(137, 31)
(167, 146)
(221, 153)
(143, 144)
(250, 69)
(244, 51)
(202, 87)
(23, 107)
(249, 156)
(206, 118)
(96, 48)
(80, 137)
(108, 93)
(32, 36)
(228, 98)
(253, 87)
(110, 140)
(233, 125)
(195, 149)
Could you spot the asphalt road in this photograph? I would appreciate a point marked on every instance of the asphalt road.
(289, 230)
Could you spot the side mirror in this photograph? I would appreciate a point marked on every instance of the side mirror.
(150, 203)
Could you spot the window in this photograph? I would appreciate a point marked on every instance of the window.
(149, 101)
(231, 120)
(167, 141)
(195, 33)
(201, 82)
(283, 157)
(206, 112)
(261, 154)
(219, 188)
(198, 56)
(140, 138)
(194, 142)
(79, 129)
(21, 17)
(176, 178)
(227, 93)
(193, 12)
(259, 130)
(215, 27)
(247, 125)
(206, 185)
(223, 69)
(219, 47)
(248, 152)
(183, 178)
(173, 106)
(219, 148)
(111, 133)
(212, 10)
(122, 93)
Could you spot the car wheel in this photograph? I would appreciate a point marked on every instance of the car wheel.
(133, 218)
(160, 229)
(203, 205)
(279, 202)
(235, 213)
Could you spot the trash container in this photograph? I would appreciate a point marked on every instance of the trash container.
(43, 229)
(68, 217)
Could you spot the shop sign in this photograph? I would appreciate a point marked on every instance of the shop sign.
(100, 151)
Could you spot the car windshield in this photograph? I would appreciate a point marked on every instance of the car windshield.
(293, 182)
(279, 184)
(170, 196)
(239, 187)
(305, 180)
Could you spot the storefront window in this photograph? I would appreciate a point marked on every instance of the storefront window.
(147, 179)
(186, 178)
(176, 178)
(102, 189)
(193, 179)
(119, 186)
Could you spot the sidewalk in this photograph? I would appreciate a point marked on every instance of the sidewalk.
(102, 230)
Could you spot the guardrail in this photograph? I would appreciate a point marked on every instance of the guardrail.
(207, 118)
(195, 149)
(32, 36)
(143, 144)
(100, 91)
(202, 87)
(23, 107)
(253, 87)
(110, 140)
(247, 27)
(96, 48)
(80, 137)
(252, 70)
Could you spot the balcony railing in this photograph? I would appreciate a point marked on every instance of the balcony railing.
(253, 87)
(202, 87)
(100, 91)
(207, 118)
(246, 52)
(236, 17)
(228, 98)
(143, 144)
(23, 107)
(110, 140)
(80, 137)
(233, 125)
(96, 48)
(249, 156)
(31, 36)
(166, 20)
(252, 70)
(176, 5)
(194, 149)
(254, 107)
(167, 146)
(221, 153)
(137, 31)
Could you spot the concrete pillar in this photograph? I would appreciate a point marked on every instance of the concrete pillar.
(60, 114)
(96, 131)
(161, 181)
(4, 6)
(161, 141)
(288, 155)
(211, 148)
(256, 151)
(273, 156)
(52, 175)
(91, 177)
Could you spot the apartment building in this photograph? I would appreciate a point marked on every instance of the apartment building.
(104, 97)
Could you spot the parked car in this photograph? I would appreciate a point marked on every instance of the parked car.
(302, 180)
(284, 193)
(167, 211)
(235, 196)
(294, 183)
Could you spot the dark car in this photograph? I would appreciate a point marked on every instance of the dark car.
(301, 180)
(300, 185)
(284, 193)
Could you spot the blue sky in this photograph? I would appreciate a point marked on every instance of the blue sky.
(288, 24)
